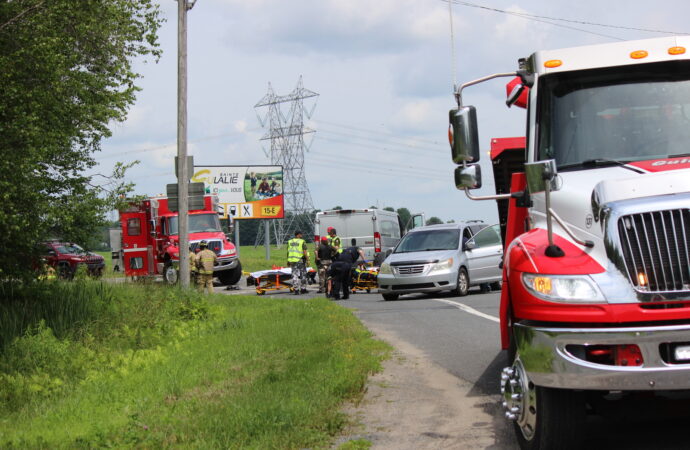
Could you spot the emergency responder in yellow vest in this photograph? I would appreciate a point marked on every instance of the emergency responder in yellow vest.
(193, 269)
(297, 258)
(334, 240)
(205, 261)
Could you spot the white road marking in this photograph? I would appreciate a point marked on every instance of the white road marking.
(469, 309)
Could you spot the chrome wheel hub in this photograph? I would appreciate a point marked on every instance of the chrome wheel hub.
(519, 398)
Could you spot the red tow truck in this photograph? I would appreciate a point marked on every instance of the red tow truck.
(150, 241)
(594, 203)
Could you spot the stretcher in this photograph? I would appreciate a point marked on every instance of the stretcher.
(364, 279)
(276, 279)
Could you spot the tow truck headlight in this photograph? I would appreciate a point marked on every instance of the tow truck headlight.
(563, 288)
(442, 265)
(385, 269)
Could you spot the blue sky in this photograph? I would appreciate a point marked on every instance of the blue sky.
(383, 70)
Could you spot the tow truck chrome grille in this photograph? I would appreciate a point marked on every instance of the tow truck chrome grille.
(656, 251)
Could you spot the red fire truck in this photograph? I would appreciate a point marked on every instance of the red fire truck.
(150, 242)
(595, 208)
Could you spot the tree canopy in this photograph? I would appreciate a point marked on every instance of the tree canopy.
(67, 75)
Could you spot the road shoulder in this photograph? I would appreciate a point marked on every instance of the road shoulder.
(415, 404)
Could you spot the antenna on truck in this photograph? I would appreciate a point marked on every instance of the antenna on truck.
(453, 62)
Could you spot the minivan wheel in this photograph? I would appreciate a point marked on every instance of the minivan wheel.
(463, 284)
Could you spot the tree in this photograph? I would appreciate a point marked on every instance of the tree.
(389, 208)
(405, 217)
(67, 74)
(434, 221)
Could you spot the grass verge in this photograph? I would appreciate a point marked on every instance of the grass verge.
(175, 369)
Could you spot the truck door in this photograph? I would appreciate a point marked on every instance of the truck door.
(135, 248)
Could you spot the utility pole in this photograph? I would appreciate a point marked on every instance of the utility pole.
(182, 169)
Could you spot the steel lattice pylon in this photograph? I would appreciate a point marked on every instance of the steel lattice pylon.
(286, 133)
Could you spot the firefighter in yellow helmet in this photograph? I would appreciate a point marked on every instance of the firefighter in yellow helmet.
(298, 258)
(205, 261)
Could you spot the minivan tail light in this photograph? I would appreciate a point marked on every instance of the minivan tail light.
(377, 242)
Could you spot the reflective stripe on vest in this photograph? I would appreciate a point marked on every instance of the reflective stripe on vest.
(295, 249)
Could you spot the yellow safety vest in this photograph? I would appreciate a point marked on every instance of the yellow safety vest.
(335, 241)
(295, 250)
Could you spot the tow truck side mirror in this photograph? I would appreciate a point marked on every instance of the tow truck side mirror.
(539, 173)
(469, 176)
(463, 134)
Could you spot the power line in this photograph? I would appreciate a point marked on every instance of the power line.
(366, 130)
(560, 19)
(352, 140)
(174, 144)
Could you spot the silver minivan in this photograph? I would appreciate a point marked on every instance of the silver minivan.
(449, 257)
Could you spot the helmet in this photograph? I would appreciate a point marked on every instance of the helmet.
(203, 244)
(324, 239)
(329, 229)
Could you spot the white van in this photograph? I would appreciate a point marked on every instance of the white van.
(376, 231)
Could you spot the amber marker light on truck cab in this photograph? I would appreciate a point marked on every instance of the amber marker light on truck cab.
(676, 50)
(639, 54)
(553, 63)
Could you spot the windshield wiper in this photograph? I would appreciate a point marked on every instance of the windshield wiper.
(601, 162)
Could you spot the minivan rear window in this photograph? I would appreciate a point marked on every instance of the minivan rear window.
(429, 240)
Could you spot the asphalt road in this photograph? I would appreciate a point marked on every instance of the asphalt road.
(461, 335)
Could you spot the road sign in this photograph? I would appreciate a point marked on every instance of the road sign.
(196, 196)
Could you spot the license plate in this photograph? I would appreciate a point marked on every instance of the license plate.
(682, 353)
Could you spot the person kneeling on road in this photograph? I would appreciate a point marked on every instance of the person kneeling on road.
(297, 258)
(341, 271)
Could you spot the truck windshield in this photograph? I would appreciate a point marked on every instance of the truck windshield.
(615, 115)
(429, 240)
(198, 223)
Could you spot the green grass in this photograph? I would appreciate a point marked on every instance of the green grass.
(254, 259)
(171, 369)
(108, 271)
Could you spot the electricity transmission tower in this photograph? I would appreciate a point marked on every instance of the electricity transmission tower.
(286, 133)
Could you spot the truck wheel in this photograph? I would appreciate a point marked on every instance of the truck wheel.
(543, 418)
(170, 273)
(463, 284)
(230, 277)
(390, 297)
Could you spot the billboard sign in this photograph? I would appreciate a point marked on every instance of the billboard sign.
(245, 192)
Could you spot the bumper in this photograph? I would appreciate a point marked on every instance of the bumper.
(548, 363)
(405, 284)
(225, 263)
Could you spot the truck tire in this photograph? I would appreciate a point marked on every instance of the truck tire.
(547, 418)
(463, 283)
(390, 297)
(558, 420)
(170, 274)
(230, 277)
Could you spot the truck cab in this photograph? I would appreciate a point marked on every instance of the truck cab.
(150, 240)
(596, 223)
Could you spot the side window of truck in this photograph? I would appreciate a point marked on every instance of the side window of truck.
(133, 227)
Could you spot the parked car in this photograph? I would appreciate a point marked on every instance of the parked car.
(66, 258)
(448, 257)
(376, 231)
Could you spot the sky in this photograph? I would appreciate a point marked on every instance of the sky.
(384, 71)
